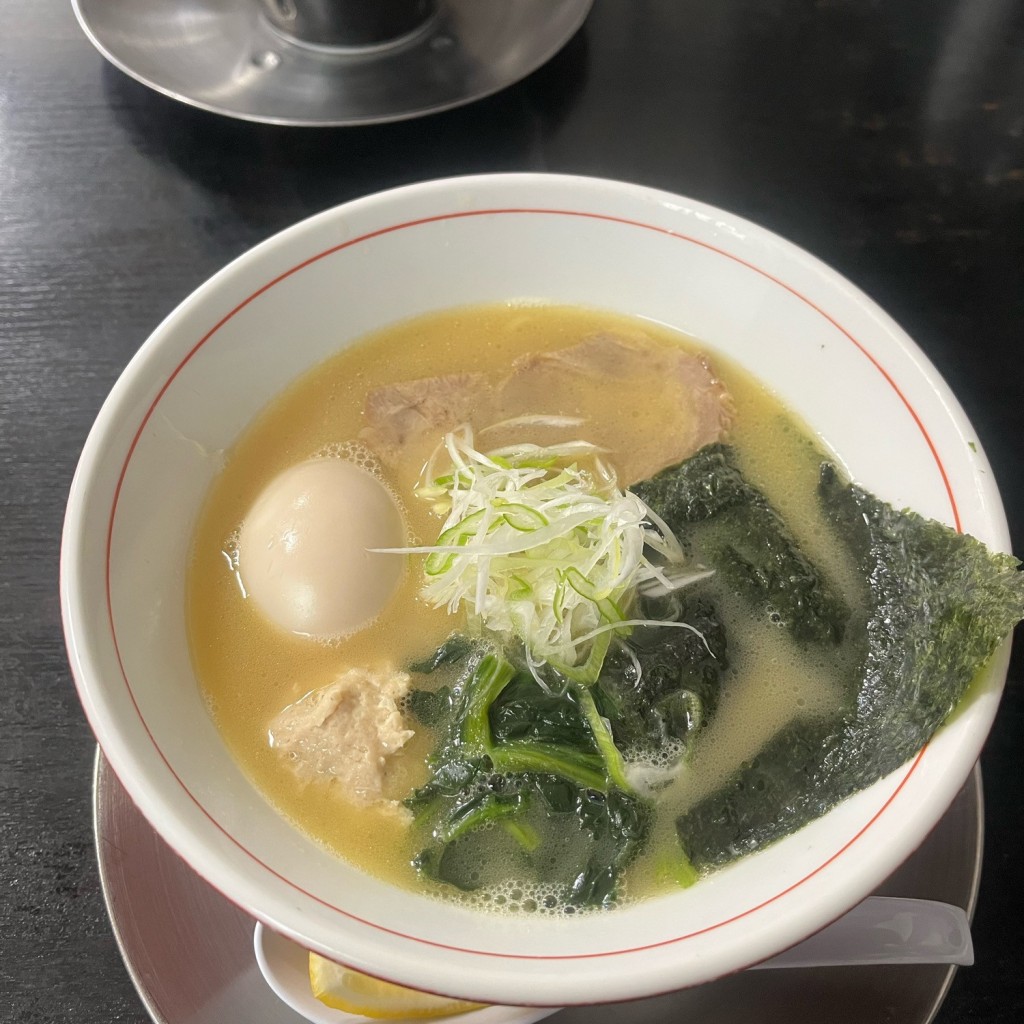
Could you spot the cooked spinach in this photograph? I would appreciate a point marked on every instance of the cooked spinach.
(936, 606)
(523, 711)
(429, 706)
(533, 778)
(573, 841)
(677, 687)
(455, 649)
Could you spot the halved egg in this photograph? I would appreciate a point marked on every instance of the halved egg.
(304, 549)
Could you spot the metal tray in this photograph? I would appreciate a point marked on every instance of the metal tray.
(223, 56)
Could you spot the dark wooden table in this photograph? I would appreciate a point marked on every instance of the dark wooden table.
(887, 138)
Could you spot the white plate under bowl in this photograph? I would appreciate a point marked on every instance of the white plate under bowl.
(828, 352)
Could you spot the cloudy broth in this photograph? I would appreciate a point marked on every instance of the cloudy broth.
(249, 669)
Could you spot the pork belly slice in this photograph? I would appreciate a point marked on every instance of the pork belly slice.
(672, 400)
(404, 415)
(346, 732)
(678, 404)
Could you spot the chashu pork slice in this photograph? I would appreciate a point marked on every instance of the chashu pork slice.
(649, 405)
(414, 415)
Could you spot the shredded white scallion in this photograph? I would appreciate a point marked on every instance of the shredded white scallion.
(535, 421)
(539, 546)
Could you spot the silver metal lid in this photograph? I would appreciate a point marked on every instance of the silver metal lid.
(265, 63)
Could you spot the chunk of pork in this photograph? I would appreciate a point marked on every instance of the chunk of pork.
(346, 731)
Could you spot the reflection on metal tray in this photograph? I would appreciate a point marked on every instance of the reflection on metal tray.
(189, 951)
(225, 56)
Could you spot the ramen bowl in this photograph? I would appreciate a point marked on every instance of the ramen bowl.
(824, 348)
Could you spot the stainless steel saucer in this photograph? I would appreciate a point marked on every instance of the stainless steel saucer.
(233, 57)
(189, 951)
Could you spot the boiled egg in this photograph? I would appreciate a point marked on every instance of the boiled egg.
(305, 555)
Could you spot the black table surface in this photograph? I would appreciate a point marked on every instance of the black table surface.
(886, 138)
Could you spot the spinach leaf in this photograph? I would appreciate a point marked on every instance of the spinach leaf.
(676, 690)
(522, 785)
(618, 826)
(429, 706)
(525, 711)
(446, 665)
(578, 841)
(451, 652)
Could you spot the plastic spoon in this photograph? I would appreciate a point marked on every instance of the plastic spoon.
(880, 930)
(886, 930)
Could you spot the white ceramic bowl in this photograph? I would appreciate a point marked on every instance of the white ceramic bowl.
(823, 346)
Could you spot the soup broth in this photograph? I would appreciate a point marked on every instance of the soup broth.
(250, 669)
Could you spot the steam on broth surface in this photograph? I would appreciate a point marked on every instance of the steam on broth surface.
(250, 669)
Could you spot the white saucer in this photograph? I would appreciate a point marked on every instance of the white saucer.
(222, 56)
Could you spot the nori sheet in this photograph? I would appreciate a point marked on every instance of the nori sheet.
(729, 525)
(938, 605)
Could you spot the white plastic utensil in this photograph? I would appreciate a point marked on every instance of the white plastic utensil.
(285, 967)
(886, 930)
(879, 930)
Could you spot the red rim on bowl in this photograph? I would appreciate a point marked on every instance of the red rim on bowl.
(138, 787)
